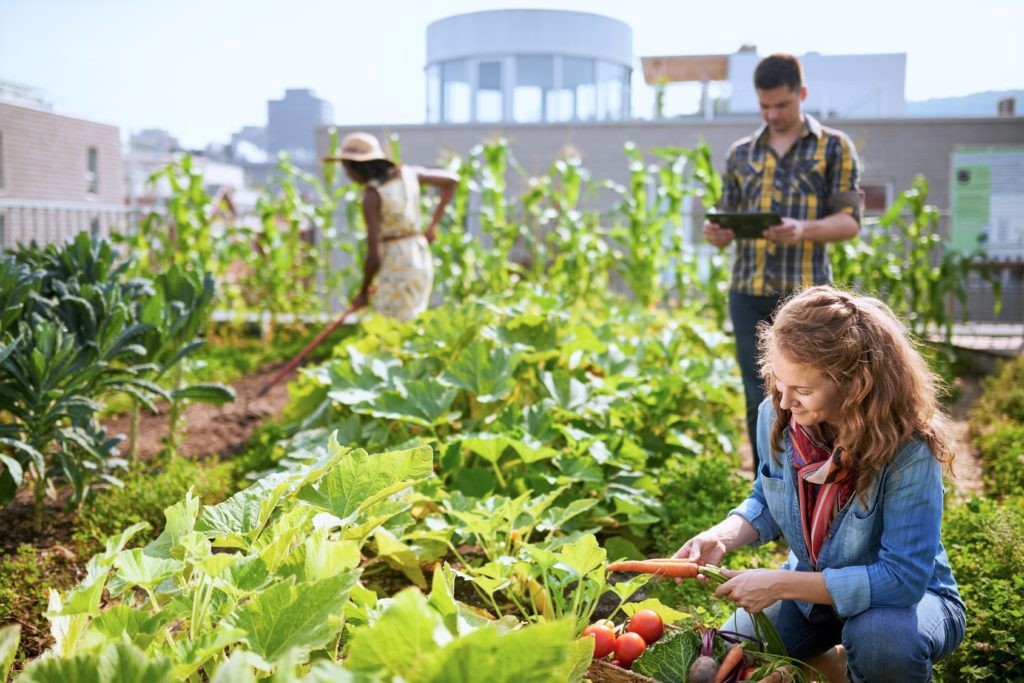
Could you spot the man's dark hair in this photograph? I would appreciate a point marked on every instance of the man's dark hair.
(779, 70)
(370, 171)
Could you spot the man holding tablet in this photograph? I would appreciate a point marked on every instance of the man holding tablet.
(802, 181)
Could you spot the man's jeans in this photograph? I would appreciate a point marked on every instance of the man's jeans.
(897, 644)
(746, 311)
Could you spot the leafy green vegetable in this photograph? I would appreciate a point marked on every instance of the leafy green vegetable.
(668, 660)
(118, 663)
(289, 615)
(9, 638)
(359, 480)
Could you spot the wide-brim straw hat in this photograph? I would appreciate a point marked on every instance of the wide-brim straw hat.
(359, 147)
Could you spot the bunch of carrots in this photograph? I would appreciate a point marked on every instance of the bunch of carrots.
(667, 567)
(764, 629)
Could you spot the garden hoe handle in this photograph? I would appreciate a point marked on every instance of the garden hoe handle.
(305, 351)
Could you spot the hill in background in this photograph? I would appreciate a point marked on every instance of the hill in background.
(975, 104)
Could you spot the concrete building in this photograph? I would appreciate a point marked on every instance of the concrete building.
(528, 66)
(839, 86)
(59, 175)
(292, 122)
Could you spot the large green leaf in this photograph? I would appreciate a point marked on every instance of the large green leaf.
(136, 568)
(180, 520)
(419, 402)
(189, 655)
(215, 394)
(398, 642)
(350, 387)
(234, 522)
(485, 373)
(554, 519)
(289, 615)
(442, 597)
(667, 614)
(10, 636)
(487, 445)
(541, 653)
(122, 622)
(399, 556)
(670, 658)
(319, 557)
(583, 556)
(241, 667)
(328, 672)
(569, 393)
(13, 468)
(449, 328)
(84, 599)
(359, 480)
(119, 663)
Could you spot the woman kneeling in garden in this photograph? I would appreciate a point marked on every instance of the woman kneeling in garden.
(852, 444)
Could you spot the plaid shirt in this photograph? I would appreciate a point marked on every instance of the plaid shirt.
(818, 176)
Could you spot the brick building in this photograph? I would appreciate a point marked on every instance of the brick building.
(59, 175)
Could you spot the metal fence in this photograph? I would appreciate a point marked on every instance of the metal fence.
(24, 221)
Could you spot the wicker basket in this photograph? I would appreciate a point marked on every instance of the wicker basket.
(601, 671)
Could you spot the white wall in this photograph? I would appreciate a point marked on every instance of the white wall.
(530, 32)
(847, 86)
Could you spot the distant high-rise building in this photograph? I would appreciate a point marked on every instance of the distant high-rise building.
(292, 123)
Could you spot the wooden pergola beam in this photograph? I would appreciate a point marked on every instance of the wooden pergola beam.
(684, 68)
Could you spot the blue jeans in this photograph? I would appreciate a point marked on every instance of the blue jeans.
(898, 644)
(746, 311)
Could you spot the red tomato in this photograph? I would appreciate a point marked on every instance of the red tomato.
(628, 647)
(748, 671)
(604, 639)
(647, 624)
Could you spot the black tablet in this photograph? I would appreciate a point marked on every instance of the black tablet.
(745, 225)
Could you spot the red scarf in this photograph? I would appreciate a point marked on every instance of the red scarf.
(823, 486)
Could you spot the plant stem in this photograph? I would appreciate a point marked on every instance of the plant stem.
(133, 432)
(37, 513)
(174, 413)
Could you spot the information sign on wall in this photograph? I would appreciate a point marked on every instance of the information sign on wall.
(988, 201)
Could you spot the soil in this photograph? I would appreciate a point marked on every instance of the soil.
(211, 430)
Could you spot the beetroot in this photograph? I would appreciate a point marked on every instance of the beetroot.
(703, 670)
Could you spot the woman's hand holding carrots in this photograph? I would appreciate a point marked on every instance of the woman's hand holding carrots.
(704, 548)
(751, 589)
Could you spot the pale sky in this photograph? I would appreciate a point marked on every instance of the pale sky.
(202, 69)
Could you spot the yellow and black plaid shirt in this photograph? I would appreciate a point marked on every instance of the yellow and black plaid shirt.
(818, 176)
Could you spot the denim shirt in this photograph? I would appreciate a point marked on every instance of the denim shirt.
(885, 553)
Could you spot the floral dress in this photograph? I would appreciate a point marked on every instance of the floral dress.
(406, 274)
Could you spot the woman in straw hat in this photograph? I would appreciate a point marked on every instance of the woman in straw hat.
(398, 262)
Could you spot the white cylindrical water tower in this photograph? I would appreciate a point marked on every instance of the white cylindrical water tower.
(528, 66)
